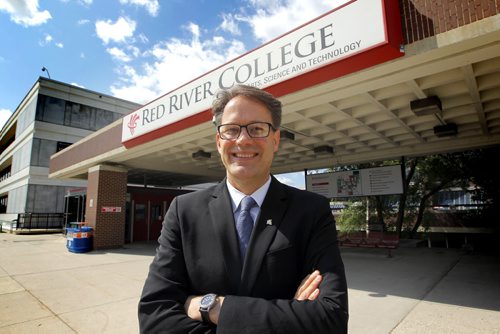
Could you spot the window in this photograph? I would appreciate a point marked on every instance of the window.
(156, 212)
(76, 115)
(3, 203)
(103, 118)
(50, 109)
(140, 210)
(5, 173)
(61, 145)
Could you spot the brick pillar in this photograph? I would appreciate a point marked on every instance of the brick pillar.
(105, 207)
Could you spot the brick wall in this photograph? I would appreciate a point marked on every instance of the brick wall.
(424, 18)
(106, 188)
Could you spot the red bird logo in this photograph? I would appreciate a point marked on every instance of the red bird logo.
(132, 123)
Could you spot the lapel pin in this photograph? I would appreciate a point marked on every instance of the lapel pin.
(269, 222)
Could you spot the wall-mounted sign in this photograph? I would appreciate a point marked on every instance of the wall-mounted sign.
(385, 180)
(111, 209)
(352, 29)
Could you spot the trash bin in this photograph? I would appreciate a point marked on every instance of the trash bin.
(79, 240)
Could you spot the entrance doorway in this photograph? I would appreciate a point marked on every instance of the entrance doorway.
(146, 211)
(148, 218)
(74, 204)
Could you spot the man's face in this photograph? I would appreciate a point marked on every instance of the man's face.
(247, 160)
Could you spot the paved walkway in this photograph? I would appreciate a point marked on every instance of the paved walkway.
(46, 289)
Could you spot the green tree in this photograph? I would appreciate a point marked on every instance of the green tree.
(353, 218)
(434, 173)
(407, 175)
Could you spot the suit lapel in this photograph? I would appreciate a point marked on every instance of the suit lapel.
(272, 211)
(222, 219)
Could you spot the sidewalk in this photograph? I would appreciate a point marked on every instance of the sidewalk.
(46, 289)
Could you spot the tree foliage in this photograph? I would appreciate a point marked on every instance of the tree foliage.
(423, 178)
(432, 174)
(353, 218)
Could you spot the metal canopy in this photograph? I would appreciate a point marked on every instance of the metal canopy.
(364, 116)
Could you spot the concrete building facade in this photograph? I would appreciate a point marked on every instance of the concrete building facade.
(52, 116)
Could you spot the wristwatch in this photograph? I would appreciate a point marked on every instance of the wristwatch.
(206, 304)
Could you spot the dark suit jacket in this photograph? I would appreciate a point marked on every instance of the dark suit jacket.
(198, 253)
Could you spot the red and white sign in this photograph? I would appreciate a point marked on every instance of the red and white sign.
(111, 209)
(357, 35)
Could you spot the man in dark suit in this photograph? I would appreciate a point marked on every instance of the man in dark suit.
(209, 275)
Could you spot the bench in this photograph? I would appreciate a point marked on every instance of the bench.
(434, 232)
(370, 239)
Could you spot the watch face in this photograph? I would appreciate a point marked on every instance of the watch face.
(208, 300)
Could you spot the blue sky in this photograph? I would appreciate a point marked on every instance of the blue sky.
(134, 49)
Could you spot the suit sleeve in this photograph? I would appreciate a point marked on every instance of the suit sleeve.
(327, 314)
(161, 306)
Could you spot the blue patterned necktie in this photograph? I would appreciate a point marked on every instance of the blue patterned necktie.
(244, 224)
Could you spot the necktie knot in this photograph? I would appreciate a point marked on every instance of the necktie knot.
(247, 203)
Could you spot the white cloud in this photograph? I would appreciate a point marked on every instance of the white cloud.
(175, 63)
(83, 22)
(46, 40)
(274, 18)
(77, 85)
(135, 51)
(295, 179)
(152, 6)
(230, 24)
(143, 38)
(119, 31)
(25, 12)
(270, 5)
(126, 54)
(194, 29)
(4, 116)
(119, 54)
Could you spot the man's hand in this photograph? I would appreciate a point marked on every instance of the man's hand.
(309, 287)
(192, 308)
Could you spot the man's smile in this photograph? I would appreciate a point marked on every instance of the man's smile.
(244, 155)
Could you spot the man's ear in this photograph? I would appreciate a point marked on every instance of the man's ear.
(217, 141)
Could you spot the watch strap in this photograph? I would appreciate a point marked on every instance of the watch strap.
(205, 317)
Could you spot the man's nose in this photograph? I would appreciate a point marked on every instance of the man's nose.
(244, 135)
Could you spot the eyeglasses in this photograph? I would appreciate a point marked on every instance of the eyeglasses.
(254, 130)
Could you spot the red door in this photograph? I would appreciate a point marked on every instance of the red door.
(156, 212)
(140, 222)
(148, 219)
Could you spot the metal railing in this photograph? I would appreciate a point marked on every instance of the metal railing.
(39, 221)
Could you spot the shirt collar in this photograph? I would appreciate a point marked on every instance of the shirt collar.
(258, 195)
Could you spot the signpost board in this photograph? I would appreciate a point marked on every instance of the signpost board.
(386, 180)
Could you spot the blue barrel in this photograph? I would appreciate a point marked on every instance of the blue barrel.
(79, 240)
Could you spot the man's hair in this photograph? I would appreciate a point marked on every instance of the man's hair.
(224, 96)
